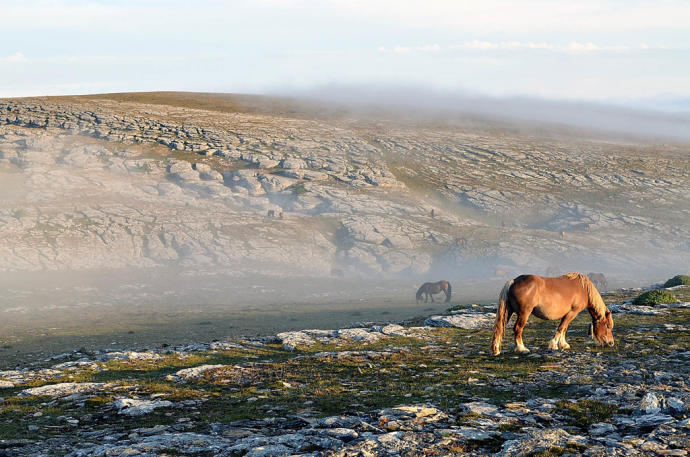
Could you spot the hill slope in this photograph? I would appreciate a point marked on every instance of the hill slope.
(202, 180)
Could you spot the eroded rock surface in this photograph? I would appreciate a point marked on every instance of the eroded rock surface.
(138, 185)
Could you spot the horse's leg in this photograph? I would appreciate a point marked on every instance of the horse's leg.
(426, 297)
(519, 325)
(432, 297)
(563, 327)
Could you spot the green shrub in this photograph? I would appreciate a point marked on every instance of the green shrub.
(145, 168)
(655, 297)
(678, 280)
(19, 213)
(298, 188)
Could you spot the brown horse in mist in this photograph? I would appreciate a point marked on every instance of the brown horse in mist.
(599, 281)
(562, 297)
(431, 288)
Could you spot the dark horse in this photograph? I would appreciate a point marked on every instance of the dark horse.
(562, 297)
(431, 288)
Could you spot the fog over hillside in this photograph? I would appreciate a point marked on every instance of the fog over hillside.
(663, 119)
(302, 205)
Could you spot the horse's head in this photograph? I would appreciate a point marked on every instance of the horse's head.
(600, 330)
(419, 297)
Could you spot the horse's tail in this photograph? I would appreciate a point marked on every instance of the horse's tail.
(501, 319)
(448, 292)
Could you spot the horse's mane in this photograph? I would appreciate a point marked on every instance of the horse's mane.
(595, 300)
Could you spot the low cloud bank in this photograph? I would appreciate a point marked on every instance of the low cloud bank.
(414, 102)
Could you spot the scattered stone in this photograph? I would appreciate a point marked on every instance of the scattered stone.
(650, 404)
(135, 407)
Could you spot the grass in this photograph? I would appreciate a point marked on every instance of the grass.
(447, 368)
(587, 412)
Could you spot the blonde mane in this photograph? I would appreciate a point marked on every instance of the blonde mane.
(595, 300)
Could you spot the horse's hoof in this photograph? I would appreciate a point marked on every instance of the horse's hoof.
(522, 350)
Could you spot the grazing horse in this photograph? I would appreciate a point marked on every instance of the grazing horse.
(431, 288)
(599, 281)
(562, 297)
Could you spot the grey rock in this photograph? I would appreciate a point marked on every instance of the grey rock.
(600, 429)
(64, 389)
(484, 409)
(654, 419)
(676, 405)
(465, 321)
(649, 404)
(189, 374)
(136, 407)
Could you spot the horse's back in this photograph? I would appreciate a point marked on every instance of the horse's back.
(550, 297)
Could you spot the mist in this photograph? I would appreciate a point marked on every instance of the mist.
(663, 119)
(110, 242)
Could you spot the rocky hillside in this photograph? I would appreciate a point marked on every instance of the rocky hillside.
(145, 180)
(427, 387)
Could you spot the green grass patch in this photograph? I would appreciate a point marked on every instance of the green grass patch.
(298, 188)
(587, 412)
(678, 280)
(655, 297)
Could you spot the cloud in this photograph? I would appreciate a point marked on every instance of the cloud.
(522, 15)
(573, 47)
(16, 57)
(406, 49)
(488, 45)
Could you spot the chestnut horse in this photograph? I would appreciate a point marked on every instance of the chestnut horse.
(562, 297)
(431, 288)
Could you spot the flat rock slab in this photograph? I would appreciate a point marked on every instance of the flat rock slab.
(538, 441)
(484, 409)
(188, 374)
(464, 321)
(135, 407)
(66, 388)
(128, 355)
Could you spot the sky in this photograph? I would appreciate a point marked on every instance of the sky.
(624, 51)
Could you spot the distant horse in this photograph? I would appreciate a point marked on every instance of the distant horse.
(563, 297)
(553, 271)
(431, 288)
(599, 280)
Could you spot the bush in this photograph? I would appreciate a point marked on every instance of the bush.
(678, 280)
(298, 188)
(655, 297)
